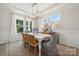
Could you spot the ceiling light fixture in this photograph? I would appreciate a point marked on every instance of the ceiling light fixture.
(35, 12)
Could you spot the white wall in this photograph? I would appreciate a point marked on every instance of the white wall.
(69, 34)
(4, 25)
(6, 30)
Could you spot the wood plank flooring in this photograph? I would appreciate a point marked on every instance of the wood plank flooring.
(16, 49)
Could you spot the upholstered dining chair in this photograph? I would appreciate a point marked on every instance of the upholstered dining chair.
(49, 46)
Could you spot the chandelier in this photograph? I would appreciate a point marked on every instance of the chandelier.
(35, 12)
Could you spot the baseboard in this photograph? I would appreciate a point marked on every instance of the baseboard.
(69, 44)
(4, 42)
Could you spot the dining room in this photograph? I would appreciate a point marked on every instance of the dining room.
(39, 29)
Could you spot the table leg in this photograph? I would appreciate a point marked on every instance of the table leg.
(39, 48)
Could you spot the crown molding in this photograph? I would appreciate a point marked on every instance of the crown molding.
(45, 12)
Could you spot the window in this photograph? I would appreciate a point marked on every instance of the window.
(28, 26)
(31, 26)
(57, 18)
(19, 26)
(23, 25)
(52, 22)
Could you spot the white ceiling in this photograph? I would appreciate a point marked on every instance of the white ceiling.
(26, 8)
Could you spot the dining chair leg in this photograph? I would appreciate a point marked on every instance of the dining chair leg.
(28, 49)
(34, 50)
(22, 43)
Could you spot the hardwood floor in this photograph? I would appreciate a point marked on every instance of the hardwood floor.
(64, 50)
(16, 49)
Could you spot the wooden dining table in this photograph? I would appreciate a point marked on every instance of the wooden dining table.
(40, 37)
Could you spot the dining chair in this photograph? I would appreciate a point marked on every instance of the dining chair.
(55, 34)
(24, 40)
(32, 41)
(49, 46)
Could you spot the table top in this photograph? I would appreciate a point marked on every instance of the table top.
(39, 36)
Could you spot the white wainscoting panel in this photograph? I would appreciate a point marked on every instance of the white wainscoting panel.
(4, 37)
(70, 38)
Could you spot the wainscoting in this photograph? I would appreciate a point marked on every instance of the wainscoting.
(4, 37)
(70, 38)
